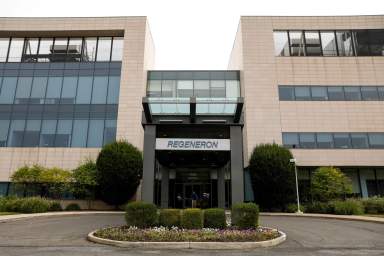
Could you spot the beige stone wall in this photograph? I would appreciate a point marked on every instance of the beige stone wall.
(262, 72)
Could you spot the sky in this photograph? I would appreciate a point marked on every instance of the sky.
(189, 34)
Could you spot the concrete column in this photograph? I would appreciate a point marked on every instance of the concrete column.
(221, 188)
(237, 169)
(164, 187)
(147, 191)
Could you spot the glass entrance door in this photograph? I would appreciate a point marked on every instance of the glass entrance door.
(203, 194)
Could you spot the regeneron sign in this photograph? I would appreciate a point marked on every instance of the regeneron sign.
(193, 144)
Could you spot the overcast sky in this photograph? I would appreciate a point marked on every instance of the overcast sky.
(190, 34)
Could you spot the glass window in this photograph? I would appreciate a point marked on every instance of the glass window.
(60, 50)
(376, 37)
(79, 134)
(184, 88)
(307, 140)
(168, 88)
(99, 92)
(232, 88)
(4, 125)
(68, 93)
(359, 140)
(8, 89)
(84, 90)
(109, 131)
(16, 50)
(53, 90)
(369, 93)
(16, 131)
(381, 92)
(302, 93)
(32, 133)
(63, 135)
(201, 88)
(38, 89)
(335, 93)
(328, 43)
(30, 50)
(291, 140)
(4, 43)
(154, 88)
(281, 43)
(296, 39)
(48, 130)
(324, 140)
(286, 93)
(89, 49)
(344, 43)
(95, 135)
(376, 140)
(341, 140)
(113, 90)
(117, 49)
(352, 93)
(104, 49)
(218, 88)
(74, 49)
(23, 90)
(312, 43)
(45, 49)
(319, 93)
(361, 40)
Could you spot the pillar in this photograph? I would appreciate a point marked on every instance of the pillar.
(147, 190)
(237, 169)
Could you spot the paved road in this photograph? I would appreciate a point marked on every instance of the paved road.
(306, 236)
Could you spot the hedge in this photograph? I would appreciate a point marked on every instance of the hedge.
(73, 207)
(192, 218)
(374, 205)
(245, 215)
(25, 205)
(215, 218)
(169, 218)
(141, 214)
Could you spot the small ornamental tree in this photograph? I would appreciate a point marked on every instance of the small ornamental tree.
(85, 180)
(119, 167)
(329, 183)
(273, 176)
(55, 181)
(26, 176)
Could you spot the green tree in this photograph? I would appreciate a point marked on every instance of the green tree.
(85, 180)
(273, 176)
(55, 180)
(26, 177)
(329, 183)
(120, 167)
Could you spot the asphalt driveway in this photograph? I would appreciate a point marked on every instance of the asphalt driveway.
(306, 236)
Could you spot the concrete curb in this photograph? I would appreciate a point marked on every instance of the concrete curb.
(190, 245)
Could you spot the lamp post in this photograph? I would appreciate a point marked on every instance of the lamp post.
(293, 160)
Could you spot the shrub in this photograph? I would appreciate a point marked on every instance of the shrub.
(73, 207)
(348, 207)
(141, 214)
(119, 168)
(192, 218)
(84, 180)
(13, 204)
(54, 206)
(293, 208)
(215, 218)
(273, 176)
(33, 205)
(319, 207)
(374, 205)
(169, 218)
(245, 215)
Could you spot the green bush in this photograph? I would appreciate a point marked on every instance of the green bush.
(319, 207)
(73, 207)
(348, 207)
(169, 218)
(292, 208)
(54, 206)
(192, 218)
(374, 205)
(214, 218)
(245, 215)
(141, 214)
(33, 205)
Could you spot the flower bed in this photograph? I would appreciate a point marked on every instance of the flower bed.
(174, 234)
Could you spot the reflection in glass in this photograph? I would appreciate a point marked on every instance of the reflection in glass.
(48, 130)
(154, 88)
(361, 40)
(381, 92)
(15, 137)
(352, 93)
(30, 50)
(312, 43)
(89, 49)
(307, 140)
(53, 90)
(286, 93)
(95, 134)
(79, 134)
(290, 140)
(16, 50)
(324, 140)
(4, 42)
(68, 93)
(84, 90)
(74, 49)
(113, 90)
(335, 93)
(232, 89)
(328, 43)
(117, 49)
(281, 43)
(218, 88)
(32, 133)
(8, 89)
(110, 131)
(376, 42)
(341, 140)
(319, 93)
(184, 88)
(297, 43)
(104, 49)
(168, 88)
(369, 93)
(60, 50)
(201, 89)
(38, 90)
(302, 93)
(344, 43)
(99, 92)
(4, 125)
(23, 90)
(63, 135)
(376, 140)
(359, 140)
(45, 49)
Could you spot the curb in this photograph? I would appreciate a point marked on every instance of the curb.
(189, 245)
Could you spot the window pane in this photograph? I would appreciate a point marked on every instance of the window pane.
(328, 43)
(201, 88)
(359, 140)
(104, 49)
(302, 93)
(4, 125)
(63, 135)
(290, 140)
(324, 140)
(48, 130)
(381, 92)
(8, 89)
(342, 140)
(312, 43)
(79, 134)
(89, 49)
(319, 93)
(218, 88)
(68, 92)
(297, 43)
(286, 93)
(307, 140)
(352, 93)
(168, 88)
(109, 131)
(23, 90)
(84, 90)
(100, 87)
(38, 89)
(344, 43)
(113, 90)
(369, 93)
(154, 88)
(361, 42)
(74, 49)
(32, 133)
(281, 43)
(376, 140)
(184, 88)
(233, 89)
(16, 50)
(335, 93)
(95, 135)
(53, 90)
(117, 49)
(4, 43)
(16, 131)
(60, 50)
(45, 49)
(376, 42)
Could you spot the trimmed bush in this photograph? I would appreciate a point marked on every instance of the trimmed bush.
(73, 207)
(54, 206)
(292, 208)
(141, 214)
(319, 207)
(192, 218)
(373, 205)
(245, 215)
(214, 218)
(169, 218)
(348, 207)
(34, 205)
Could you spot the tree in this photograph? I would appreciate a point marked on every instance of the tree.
(55, 181)
(273, 176)
(329, 183)
(85, 180)
(25, 177)
(119, 167)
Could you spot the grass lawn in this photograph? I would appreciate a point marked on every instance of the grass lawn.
(7, 213)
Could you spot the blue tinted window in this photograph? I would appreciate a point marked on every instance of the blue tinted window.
(16, 131)
(84, 90)
(38, 90)
(109, 131)
(286, 93)
(113, 90)
(32, 133)
(48, 130)
(307, 140)
(341, 140)
(324, 140)
(291, 140)
(376, 140)
(79, 133)
(95, 134)
(359, 140)
(4, 125)
(99, 93)
(68, 93)
(8, 89)
(63, 135)
(302, 93)
(23, 90)
(54, 90)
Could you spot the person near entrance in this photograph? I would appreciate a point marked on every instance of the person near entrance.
(194, 197)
